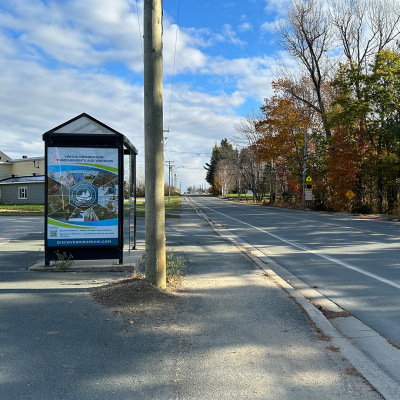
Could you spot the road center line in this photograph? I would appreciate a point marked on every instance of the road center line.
(316, 252)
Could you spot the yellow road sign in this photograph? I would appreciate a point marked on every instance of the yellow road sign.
(350, 194)
(308, 179)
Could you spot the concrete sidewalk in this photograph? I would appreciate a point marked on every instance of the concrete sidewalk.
(242, 337)
(234, 335)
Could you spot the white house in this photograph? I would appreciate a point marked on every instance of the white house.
(21, 180)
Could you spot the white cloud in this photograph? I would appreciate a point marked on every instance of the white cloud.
(35, 99)
(270, 26)
(7, 47)
(238, 66)
(245, 27)
(78, 33)
(220, 103)
(85, 35)
(67, 45)
(94, 32)
(276, 6)
(190, 58)
(231, 37)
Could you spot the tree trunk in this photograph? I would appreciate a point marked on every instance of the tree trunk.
(391, 198)
(379, 204)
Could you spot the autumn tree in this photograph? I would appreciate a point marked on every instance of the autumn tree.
(306, 34)
(368, 101)
(318, 35)
(364, 27)
(285, 123)
(283, 127)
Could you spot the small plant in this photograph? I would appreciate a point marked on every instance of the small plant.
(63, 261)
(175, 266)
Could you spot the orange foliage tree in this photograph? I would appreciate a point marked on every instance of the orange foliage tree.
(283, 129)
(344, 163)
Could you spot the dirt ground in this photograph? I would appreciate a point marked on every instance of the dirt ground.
(137, 296)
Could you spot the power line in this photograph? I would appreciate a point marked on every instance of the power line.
(140, 33)
(186, 167)
(187, 152)
(173, 69)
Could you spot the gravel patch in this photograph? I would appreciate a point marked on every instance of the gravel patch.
(135, 295)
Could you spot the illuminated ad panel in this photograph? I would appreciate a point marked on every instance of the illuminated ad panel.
(82, 196)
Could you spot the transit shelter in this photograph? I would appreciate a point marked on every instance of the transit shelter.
(90, 194)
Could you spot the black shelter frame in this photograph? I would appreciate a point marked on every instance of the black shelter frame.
(106, 137)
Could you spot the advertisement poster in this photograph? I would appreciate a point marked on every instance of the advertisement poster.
(82, 196)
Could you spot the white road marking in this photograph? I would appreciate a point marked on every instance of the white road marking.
(316, 252)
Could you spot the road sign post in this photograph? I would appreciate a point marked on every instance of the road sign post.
(350, 194)
(308, 189)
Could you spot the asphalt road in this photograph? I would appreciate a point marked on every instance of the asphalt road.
(15, 227)
(355, 263)
(235, 335)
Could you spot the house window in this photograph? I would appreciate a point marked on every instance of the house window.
(23, 192)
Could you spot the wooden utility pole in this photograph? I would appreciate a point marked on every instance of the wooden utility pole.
(270, 184)
(155, 265)
(169, 180)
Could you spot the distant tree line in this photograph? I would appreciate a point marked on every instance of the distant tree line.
(141, 185)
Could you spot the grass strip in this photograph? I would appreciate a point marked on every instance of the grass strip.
(29, 210)
(22, 210)
(173, 206)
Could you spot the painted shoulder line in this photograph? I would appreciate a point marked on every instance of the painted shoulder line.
(316, 252)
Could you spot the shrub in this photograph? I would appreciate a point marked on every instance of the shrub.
(361, 208)
(288, 196)
(319, 205)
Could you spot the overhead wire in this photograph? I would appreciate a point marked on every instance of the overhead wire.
(188, 152)
(167, 143)
(173, 69)
(140, 32)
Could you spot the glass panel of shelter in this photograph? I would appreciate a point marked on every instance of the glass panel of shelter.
(129, 200)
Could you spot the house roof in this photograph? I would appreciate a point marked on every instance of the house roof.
(24, 159)
(4, 157)
(23, 179)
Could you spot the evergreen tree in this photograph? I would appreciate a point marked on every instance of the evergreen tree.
(222, 152)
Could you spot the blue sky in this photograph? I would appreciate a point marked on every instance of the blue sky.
(61, 58)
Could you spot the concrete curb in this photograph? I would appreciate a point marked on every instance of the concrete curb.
(385, 385)
(132, 263)
(117, 268)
